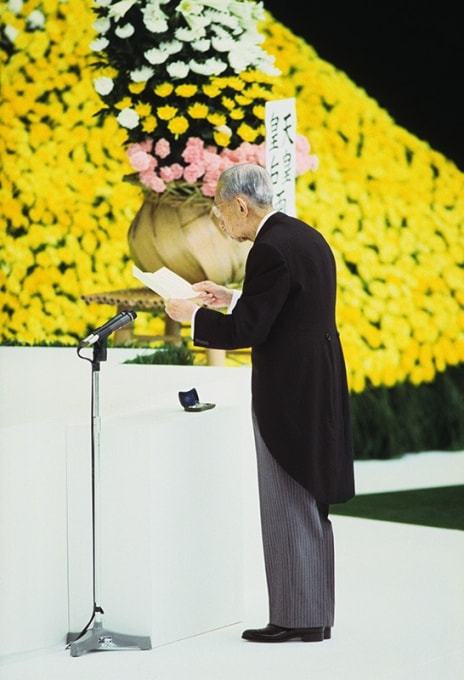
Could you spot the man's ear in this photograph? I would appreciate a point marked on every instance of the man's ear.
(242, 205)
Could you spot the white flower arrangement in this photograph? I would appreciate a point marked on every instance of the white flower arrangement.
(189, 87)
(227, 27)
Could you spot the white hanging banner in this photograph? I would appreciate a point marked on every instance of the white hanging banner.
(280, 152)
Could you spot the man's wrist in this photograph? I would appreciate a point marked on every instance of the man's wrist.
(235, 294)
(192, 320)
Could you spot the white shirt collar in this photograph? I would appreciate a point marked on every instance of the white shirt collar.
(264, 220)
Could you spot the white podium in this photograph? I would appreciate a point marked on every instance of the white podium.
(179, 508)
(171, 499)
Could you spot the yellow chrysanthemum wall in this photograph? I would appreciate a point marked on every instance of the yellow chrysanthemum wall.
(389, 205)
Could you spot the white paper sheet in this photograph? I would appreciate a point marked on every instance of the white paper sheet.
(166, 283)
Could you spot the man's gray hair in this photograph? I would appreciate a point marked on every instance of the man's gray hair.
(249, 179)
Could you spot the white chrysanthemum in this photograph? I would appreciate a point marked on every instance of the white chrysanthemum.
(101, 25)
(224, 129)
(188, 35)
(201, 45)
(141, 74)
(211, 67)
(119, 9)
(124, 31)
(103, 85)
(102, 3)
(247, 12)
(267, 66)
(156, 56)
(239, 59)
(171, 47)
(178, 69)
(198, 24)
(15, 5)
(220, 30)
(11, 32)
(221, 44)
(251, 37)
(154, 18)
(99, 44)
(189, 7)
(36, 19)
(223, 19)
(128, 118)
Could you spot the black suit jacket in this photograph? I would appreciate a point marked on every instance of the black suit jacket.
(286, 314)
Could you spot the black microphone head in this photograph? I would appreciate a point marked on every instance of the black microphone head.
(132, 314)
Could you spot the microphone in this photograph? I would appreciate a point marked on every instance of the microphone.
(109, 327)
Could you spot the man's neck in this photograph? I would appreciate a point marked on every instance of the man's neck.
(262, 219)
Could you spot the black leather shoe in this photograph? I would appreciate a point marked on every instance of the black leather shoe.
(274, 633)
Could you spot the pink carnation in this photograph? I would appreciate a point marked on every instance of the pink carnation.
(225, 163)
(261, 154)
(194, 150)
(166, 173)
(302, 144)
(304, 160)
(177, 170)
(141, 161)
(313, 162)
(170, 172)
(212, 175)
(157, 184)
(212, 160)
(152, 181)
(230, 154)
(147, 144)
(208, 188)
(162, 148)
(193, 171)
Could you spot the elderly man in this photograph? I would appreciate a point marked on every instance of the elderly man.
(300, 400)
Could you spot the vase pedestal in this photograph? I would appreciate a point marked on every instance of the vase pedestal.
(216, 357)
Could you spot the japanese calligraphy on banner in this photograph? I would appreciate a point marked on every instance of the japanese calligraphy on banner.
(280, 152)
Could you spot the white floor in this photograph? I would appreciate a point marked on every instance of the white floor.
(399, 612)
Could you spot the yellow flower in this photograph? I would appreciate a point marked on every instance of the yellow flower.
(228, 103)
(197, 110)
(211, 90)
(137, 88)
(166, 112)
(143, 109)
(243, 101)
(186, 90)
(163, 90)
(237, 114)
(235, 83)
(149, 124)
(178, 125)
(221, 138)
(217, 118)
(247, 133)
(122, 103)
(258, 111)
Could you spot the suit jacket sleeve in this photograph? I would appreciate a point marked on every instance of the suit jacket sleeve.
(265, 289)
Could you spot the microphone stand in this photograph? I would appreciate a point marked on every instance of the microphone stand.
(98, 638)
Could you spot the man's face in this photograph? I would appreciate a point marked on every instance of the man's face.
(230, 217)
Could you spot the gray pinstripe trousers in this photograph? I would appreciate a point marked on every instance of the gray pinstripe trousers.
(298, 546)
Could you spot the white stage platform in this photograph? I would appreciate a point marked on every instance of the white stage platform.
(191, 573)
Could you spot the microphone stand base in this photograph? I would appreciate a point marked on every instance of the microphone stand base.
(99, 639)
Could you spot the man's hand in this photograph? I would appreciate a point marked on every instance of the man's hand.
(212, 294)
(179, 309)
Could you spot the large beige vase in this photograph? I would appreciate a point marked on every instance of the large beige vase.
(179, 233)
